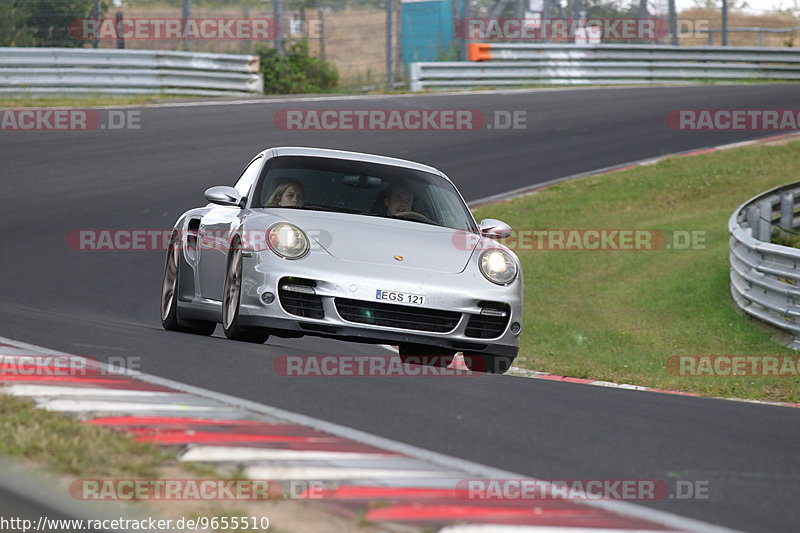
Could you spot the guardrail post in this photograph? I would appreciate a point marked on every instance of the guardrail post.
(415, 72)
(764, 232)
(752, 220)
(787, 211)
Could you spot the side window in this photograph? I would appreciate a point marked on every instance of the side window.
(248, 177)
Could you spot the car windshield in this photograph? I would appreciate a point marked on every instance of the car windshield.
(361, 188)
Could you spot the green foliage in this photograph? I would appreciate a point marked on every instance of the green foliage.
(295, 71)
(785, 238)
(41, 22)
(449, 52)
(335, 5)
(14, 28)
(606, 9)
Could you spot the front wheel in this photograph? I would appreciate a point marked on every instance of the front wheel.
(422, 354)
(490, 364)
(169, 297)
(230, 302)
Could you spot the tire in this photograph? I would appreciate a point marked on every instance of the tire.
(169, 297)
(423, 354)
(490, 364)
(231, 297)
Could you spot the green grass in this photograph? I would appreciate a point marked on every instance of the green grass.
(88, 100)
(65, 446)
(60, 444)
(619, 315)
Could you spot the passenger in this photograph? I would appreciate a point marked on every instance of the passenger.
(289, 193)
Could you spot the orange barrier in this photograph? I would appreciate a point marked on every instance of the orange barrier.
(479, 51)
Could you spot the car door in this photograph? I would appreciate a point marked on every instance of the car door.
(215, 233)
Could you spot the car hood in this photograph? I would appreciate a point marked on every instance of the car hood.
(380, 241)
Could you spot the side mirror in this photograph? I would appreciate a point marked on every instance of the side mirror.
(223, 195)
(494, 229)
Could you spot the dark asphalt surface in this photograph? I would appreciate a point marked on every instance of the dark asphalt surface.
(105, 304)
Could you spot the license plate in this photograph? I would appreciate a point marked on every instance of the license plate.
(400, 297)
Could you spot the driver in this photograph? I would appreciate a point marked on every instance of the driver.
(398, 200)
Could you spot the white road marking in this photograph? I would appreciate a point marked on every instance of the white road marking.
(243, 454)
(94, 405)
(333, 473)
(56, 390)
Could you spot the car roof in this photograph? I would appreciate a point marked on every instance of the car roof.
(355, 156)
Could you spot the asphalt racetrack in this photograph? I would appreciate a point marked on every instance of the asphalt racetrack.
(105, 304)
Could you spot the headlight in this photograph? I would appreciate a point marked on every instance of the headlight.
(287, 240)
(498, 266)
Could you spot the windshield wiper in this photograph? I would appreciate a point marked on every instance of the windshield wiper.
(304, 208)
(430, 223)
(320, 208)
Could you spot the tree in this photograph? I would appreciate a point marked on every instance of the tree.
(14, 28)
(715, 4)
(295, 71)
(41, 22)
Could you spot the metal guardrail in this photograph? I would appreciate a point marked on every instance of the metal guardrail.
(43, 71)
(765, 277)
(517, 64)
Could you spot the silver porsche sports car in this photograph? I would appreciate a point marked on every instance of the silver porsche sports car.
(350, 246)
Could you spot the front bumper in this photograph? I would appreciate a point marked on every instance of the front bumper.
(335, 279)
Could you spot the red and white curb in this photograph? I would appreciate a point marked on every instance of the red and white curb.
(524, 373)
(458, 363)
(378, 479)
